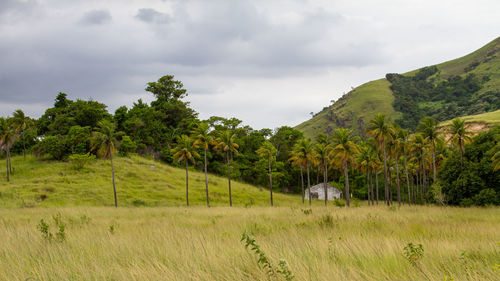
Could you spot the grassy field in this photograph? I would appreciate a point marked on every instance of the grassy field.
(489, 118)
(376, 97)
(45, 183)
(198, 243)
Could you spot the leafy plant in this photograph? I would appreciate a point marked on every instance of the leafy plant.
(79, 161)
(413, 253)
(264, 262)
(44, 229)
(307, 211)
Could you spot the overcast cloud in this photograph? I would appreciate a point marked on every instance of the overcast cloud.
(268, 63)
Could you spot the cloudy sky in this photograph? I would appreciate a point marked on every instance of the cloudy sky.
(268, 63)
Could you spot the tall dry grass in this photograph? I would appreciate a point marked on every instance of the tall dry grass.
(204, 244)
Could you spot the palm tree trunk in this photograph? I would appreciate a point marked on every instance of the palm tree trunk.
(302, 182)
(434, 162)
(187, 185)
(346, 175)
(376, 184)
(308, 183)
(385, 175)
(407, 178)
(10, 160)
(24, 146)
(325, 179)
(229, 179)
(7, 165)
(461, 155)
(368, 186)
(423, 180)
(113, 174)
(271, 181)
(389, 200)
(371, 187)
(206, 177)
(397, 182)
(317, 175)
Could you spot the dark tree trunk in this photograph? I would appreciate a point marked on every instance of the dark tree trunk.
(206, 177)
(376, 184)
(7, 165)
(24, 146)
(317, 175)
(308, 183)
(368, 186)
(385, 175)
(434, 162)
(407, 178)
(113, 174)
(271, 181)
(229, 179)
(346, 175)
(371, 186)
(187, 184)
(302, 182)
(325, 179)
(423, 180)
(397, 181)
(461, 155)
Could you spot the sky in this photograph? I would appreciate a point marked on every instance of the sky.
(267, 62)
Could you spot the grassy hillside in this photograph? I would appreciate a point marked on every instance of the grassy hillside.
(365, 243)
(52, 183)
(365, 101)
(489, 119)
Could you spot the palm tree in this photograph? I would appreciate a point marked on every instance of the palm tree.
(429, 129)
(185, 151)
(418, 148)
(322, 152)
(297, 161)
(496, 158)
(303, 154)
(20, 121)
(104, 141)
(363, 160)
(403, 142)
(344, 150)
(204, 139)
(226, 143)
(268, 150)
(459, 136)
(7, 138)
(381, 130)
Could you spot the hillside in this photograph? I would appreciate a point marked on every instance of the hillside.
(358, 106)
(44, 183)
(478, 122)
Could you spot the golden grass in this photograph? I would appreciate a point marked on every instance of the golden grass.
(198, 243)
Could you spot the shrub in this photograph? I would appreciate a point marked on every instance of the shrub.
(487, 196)
(54, 146)
(126, 146)
(466, 202)
(78, 161)
(339, 203)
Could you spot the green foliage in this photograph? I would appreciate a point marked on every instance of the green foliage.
(339, 203)
(413, 253)
(264, 262)
(79, 161)
(54, 146)
(485, 197)
(47, 235)
(127, 145)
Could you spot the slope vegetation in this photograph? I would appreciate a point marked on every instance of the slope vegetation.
(355, 108)
(139, 182)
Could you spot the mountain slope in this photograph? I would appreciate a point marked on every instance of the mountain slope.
(358, 106)
(53, 183)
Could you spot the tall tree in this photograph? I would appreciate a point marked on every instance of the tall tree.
(7, 138)
(322, 151)
(459, 136)
(363, 162)
(418, 148)
(104, 141)
(185, 151)
(226, 144)
(403, 142)
(429, 129)
(204, 139)
(344, 149)
(20, 122)
(303, 154)
(269, 151)
(380, 128)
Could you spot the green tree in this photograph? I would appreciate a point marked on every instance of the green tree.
(226, 144)
(7, 138)
(459, 136)
(204, 139)
(185, 151)
(381, 130)
(103, 142)
(428, 126)
(268, 151)
(322, 152)
(344, 150)
(126, 146)
(20, 121)
(303, 154)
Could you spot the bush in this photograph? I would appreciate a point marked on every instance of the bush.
(55, 146)
(78, 161)
(339, 203)
(487, 196)
(466, 202)
(126, 146)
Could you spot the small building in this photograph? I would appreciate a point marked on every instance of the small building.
(318, 192)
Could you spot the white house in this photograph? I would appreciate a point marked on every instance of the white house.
(318, 192)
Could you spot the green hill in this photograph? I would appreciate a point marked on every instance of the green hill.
(47, 183)
(488, 119)
(358, 106)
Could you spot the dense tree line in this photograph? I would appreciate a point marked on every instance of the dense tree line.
(428, 94)
(429, 165)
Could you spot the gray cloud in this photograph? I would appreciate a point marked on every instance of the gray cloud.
(152, 16)
(96, 17)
